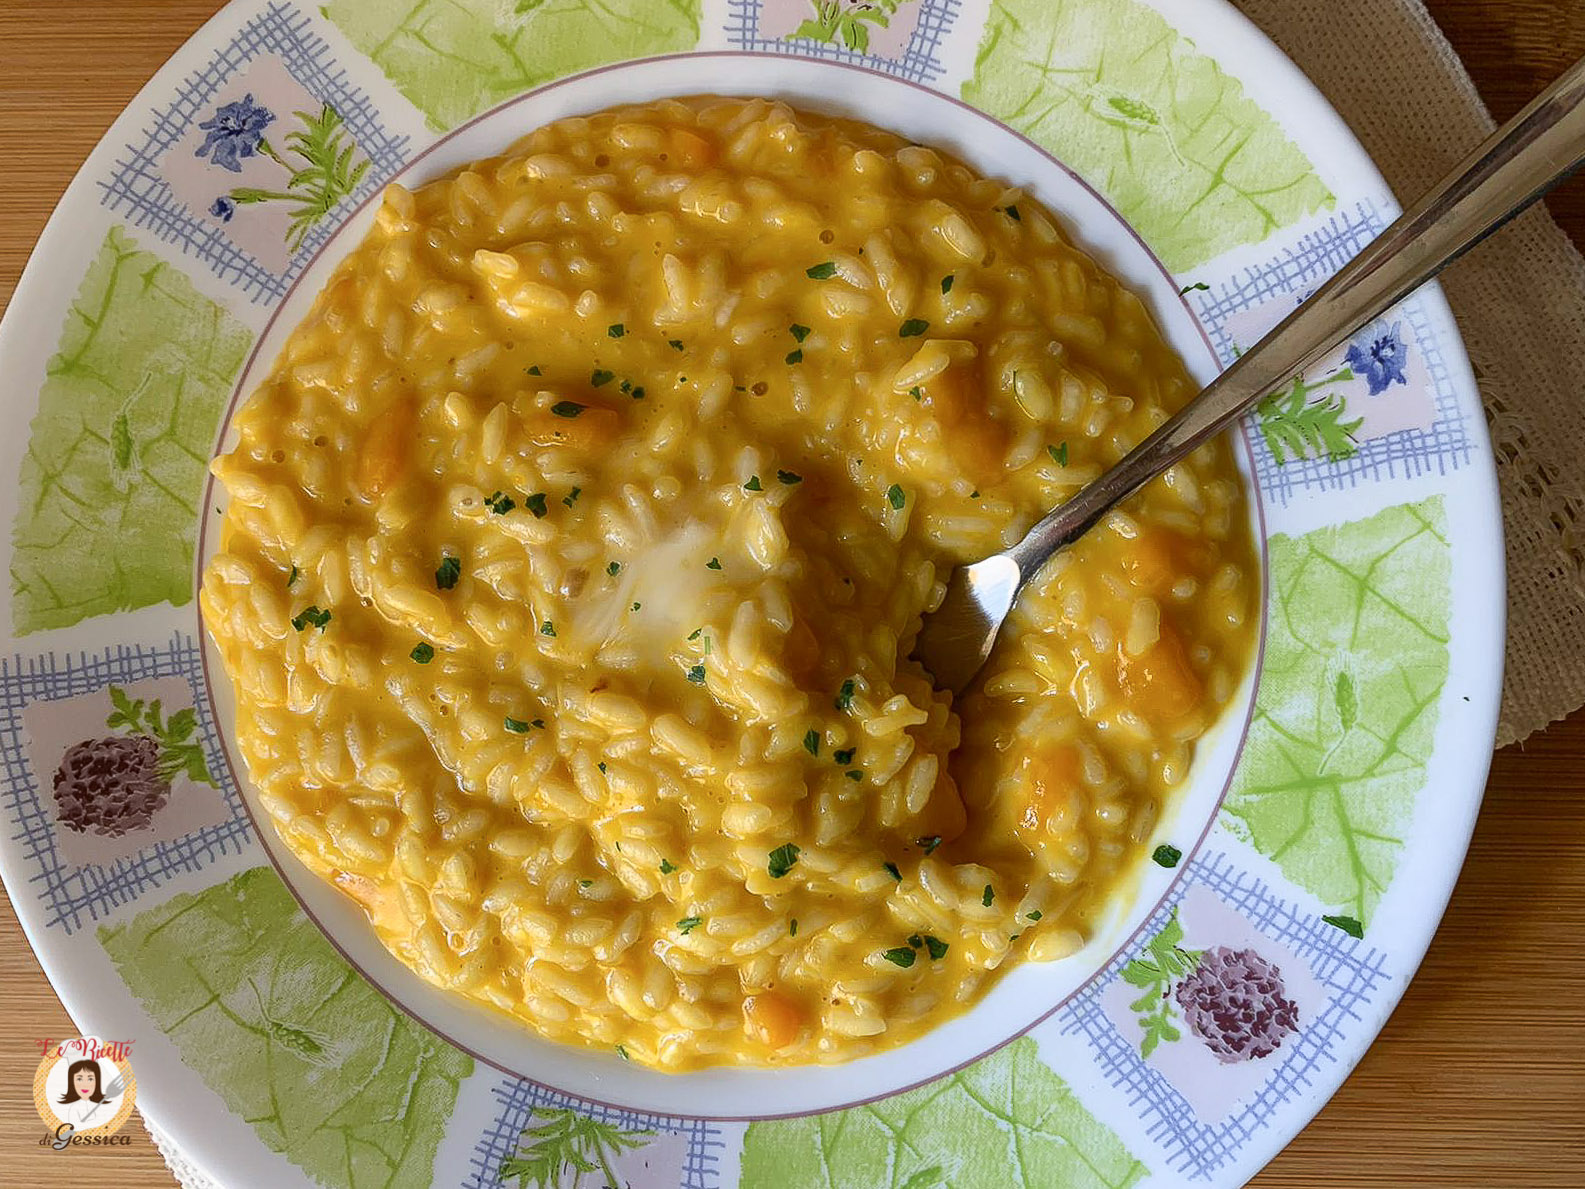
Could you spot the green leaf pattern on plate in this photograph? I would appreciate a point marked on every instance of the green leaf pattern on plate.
(115, 462)
(1007, 1122)
(1171, 140)
(327, 1072)
(1356, 659)
(1162, 962)
(325, 171)
(454, 58)
(1297, 427)
(845, 21)
(559, 1140)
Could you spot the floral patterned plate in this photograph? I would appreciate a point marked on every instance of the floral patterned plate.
(1281, 916)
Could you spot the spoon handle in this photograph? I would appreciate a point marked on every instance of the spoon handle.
(1523, 159)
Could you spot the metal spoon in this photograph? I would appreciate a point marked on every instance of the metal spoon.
(1522, 160)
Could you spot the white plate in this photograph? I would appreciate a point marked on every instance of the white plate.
(151, 304)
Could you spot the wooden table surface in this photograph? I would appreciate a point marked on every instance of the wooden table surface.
(1477, 1080)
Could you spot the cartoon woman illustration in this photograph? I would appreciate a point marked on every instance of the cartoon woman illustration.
(87, 1103)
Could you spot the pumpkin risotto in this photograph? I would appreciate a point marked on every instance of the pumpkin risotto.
(576, 546)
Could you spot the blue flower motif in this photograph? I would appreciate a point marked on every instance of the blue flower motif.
(1380, 355)
(223, 209)
(235, 131)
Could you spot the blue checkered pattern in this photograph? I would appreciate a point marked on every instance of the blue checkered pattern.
(136, 189)
(918, 63)
(518, 1099)
(1349, 970)
(72, 893)
(1300, 268)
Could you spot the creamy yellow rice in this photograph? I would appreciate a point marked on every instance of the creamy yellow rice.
(575, 549)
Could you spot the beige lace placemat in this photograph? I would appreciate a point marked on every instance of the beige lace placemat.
(184, 1170)
(1520, 304)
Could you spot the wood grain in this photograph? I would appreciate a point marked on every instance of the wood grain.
(1477, 1080)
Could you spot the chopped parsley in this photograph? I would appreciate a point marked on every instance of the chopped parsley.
(534, 370)
(536, 504)
(916, 941)
(622, 1053)
(1034, 914)
(929, 843)
(917, 392)
(845, 756)
(613, 568)
(753, 484)
(311, 616)
(572, 496)
(638, 393)
(912, 328)
(1012, 213)
(792, 930)
(1347, 924)
(812, 741)
(1166, 855)
(891, 869)
(854, 775)
(423, 652)
(822, 272)
(782, 860)
(844, 698)
(789, 477)
(600, 377)
(937, 947)
(601, 765)
(795, 356)
(713, 564)
(901, 956)
(1197, 287)
(667, 867)
(695, 674)
(447, 573)
(291, 579)
(696, 633)
(1059, 453)
(636, 606)
(895, 496)
(616, 330)
(516, 725)
(688, 924)
(586, 883)
(499, 503)
(547, 628)
(988, 897)
(567, 408)
(674, 344)
(799, 332)
(946, 282)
